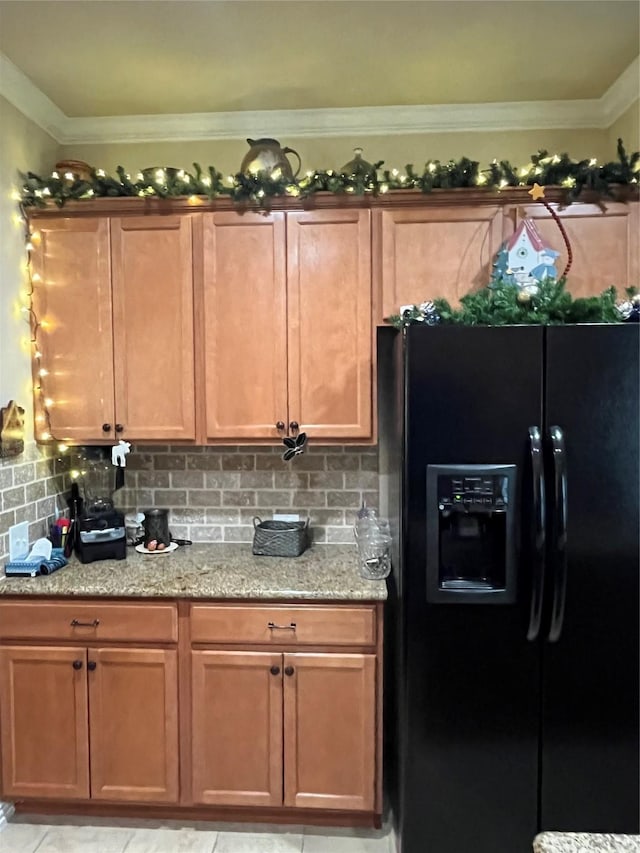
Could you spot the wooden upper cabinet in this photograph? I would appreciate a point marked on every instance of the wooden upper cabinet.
(237, 728)
(244, 325)
(44, 733)
(329, 322)
(604, 243)
(73, 300)
(286, 324)
(433, 252)
(153, 327)
(329, 725)
(133, 724)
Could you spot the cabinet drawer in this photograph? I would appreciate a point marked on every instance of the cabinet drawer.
(280, 624)
(84, 621)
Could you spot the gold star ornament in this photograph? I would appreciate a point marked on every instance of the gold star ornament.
(536, 192)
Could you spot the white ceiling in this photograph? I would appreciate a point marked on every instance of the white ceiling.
(118, 58)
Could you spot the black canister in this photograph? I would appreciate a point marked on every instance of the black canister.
(156, 526)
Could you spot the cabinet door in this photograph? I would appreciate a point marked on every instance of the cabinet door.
(431, 252)
(237, 728)
(153, 327)
(43, 722)
(245, 325)
(329, 315)
(72, 301)
(329, 731)
(133, 700)
(604, 244)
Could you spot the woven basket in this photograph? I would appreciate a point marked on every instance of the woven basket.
(280, 538)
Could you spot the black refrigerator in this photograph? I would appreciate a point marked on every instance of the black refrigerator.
(510, 470)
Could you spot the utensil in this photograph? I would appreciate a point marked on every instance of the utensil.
(156, 526)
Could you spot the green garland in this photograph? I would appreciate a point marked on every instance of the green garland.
(503, 304)
(544, 169)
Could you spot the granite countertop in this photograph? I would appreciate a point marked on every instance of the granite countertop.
(323, 572)
(585, 842)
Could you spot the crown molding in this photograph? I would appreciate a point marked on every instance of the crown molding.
(621, 94)
(595, 113)
(356, 121)
(26, 97)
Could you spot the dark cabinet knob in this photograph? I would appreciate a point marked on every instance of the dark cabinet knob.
(91, 665)
(294, 426)
(77, 664)
(119, 428)
(106, 427)
(288, 670)
(280, 426)
(275, 670)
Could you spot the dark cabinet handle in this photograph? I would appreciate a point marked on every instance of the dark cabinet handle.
(273, 627)
(106, 427)
(75, 623)
(280, 426)
(275, 670)
(119, 428)
(288, 670)
(92, 665)
(294, 426)
(77, 664)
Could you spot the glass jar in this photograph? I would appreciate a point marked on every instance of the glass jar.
(374, 555)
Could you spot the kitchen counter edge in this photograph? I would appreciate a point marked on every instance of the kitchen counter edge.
(225, 571)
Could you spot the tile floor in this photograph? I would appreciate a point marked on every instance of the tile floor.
(27, 834)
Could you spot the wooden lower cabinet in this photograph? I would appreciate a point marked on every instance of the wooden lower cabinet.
(44, 735)
(97, 723)
(237, 728)
(262, 719)
(133, 724)
(265, 708)
(329, 731)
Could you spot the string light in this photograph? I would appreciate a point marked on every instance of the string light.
(546, 168)
(43, 401)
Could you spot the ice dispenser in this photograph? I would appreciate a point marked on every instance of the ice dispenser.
(471, 542)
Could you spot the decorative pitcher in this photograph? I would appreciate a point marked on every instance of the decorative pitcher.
(266, 156)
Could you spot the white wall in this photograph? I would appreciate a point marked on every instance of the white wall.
(23, 146)
(627, 128)
(28, 487)
(333, 152)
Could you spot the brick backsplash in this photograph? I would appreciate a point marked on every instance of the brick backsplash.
(30, 489)
(213, 493)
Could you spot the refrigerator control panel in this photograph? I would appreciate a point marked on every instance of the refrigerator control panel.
(480, 493)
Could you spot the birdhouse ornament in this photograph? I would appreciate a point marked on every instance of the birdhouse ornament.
(525, 260)
(529, 259)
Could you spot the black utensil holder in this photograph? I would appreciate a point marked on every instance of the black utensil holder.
(156, 526)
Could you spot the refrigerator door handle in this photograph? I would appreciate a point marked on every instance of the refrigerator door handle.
(560, 533)
(539, 542)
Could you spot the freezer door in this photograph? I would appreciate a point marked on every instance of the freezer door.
(471, 678)
(590, 769)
